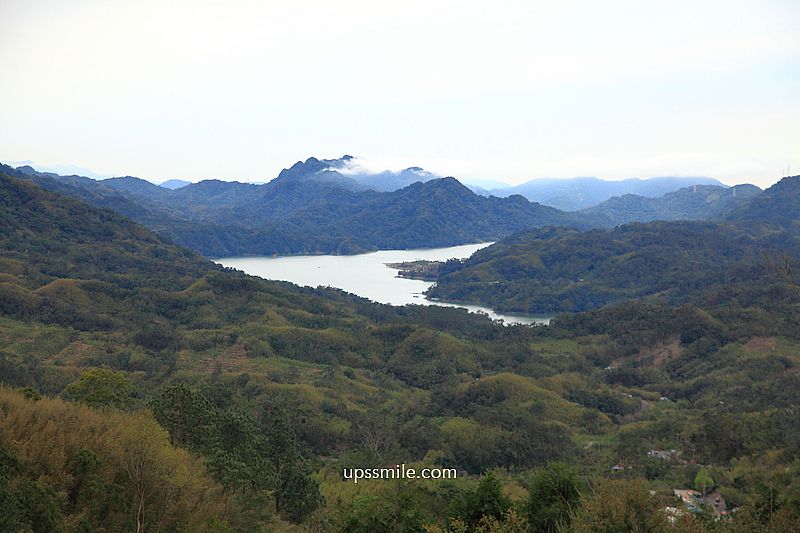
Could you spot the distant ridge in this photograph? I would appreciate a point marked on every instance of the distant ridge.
(776, 209)
(175, 184)
(697, 202)
(571, 194)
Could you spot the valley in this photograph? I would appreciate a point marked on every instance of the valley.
(410, 267)
(265, 389)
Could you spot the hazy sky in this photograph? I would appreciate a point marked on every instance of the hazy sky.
(508, 90)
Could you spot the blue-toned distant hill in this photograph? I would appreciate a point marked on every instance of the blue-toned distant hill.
(698, 202)
(174, 184)
(571, 194)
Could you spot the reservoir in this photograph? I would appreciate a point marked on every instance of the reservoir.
(367, 275)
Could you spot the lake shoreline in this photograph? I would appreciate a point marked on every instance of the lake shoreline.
(368, 276)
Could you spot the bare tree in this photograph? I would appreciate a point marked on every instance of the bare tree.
(375, 438)
(782, 266)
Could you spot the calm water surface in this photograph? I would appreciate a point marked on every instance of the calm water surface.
(366, 275)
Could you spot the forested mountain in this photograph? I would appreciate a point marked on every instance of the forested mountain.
(307, 209)
(571, 194)
(699, 202)
(555, 270)
(776, 210)
(546, 271)
(239, 401)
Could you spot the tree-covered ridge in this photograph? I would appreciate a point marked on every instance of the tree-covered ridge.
(700, 202)
(556, 269)
(270, 390)
(46, 235)
(776, 210)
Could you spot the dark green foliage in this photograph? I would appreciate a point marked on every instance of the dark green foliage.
(26, 504)
(559, 270)
(397, 511)
(242, 453)
(297, 494)
(552, 497)
(42, 507)
(547, 271)
(486, 500)
(187, 415)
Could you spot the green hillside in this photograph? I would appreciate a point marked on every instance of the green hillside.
(775, 210)
(700, 202)
(239, 401)
(557, 270)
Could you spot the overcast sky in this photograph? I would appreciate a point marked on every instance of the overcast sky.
(498, 90)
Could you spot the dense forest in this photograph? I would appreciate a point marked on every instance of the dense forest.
(145, 388)
(561, 270)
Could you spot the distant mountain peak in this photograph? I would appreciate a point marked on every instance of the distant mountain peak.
(175, 184)
(346, 172)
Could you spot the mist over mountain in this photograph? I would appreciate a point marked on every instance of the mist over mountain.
(58, 169)
(347, 173)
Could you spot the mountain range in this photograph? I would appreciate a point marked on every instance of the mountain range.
(697, 202)
(331, 206)
(571, 194)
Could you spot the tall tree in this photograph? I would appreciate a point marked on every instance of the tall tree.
(102, 387)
